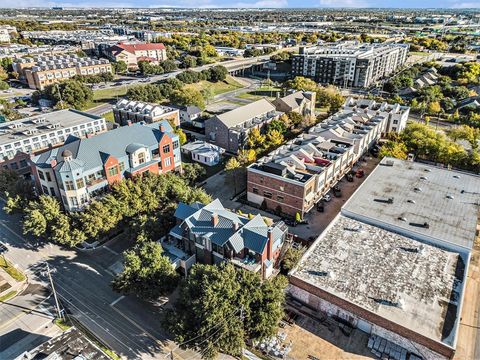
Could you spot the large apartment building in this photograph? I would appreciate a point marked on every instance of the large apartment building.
(21, 138)
(42, 71)
(292, 178)
(82, 168)
(5, 31)
(230, 130)
(349, 64)
(213, 235)
(132, 53)
(125, 111)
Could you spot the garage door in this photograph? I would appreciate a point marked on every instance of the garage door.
(364, 326)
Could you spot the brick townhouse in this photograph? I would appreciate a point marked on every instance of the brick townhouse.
(292, 178)
(230, 130)
(81, 169)
(22, 138)
(215, 235)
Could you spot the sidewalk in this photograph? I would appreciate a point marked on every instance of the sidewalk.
(16, 286)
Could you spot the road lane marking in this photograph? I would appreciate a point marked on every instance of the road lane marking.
(116, 301)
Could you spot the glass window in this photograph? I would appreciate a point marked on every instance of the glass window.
(255, 190)
(122, 166)
(69, 185)
(49, 178)
(267, 194)
(14, 165)
(112, 171)
(175, 145)
(141, 158)
(73, 201)
(168, 161)
(23, 163)
(40, 175)
(80, 183)
(166, 149)
(44, 189)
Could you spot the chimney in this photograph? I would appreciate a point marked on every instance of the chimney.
(90, 135)
(270, 243)
(162, 128)
(234, 226)
(129, 122)
(53, 163)
(214, 219)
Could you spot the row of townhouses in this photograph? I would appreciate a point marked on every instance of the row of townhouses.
(42, 71)
(292, 178)
(349, 64)
(125, 111)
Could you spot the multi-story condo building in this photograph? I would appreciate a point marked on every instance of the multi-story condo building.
(125, 111)
(214, 235)
(20, 139)
(349, 65)
(292, 178)
(132, 53)
(397, 115)
(42, 71)
(82, 168)
(230, 130)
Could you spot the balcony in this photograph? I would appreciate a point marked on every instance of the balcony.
(248, 263)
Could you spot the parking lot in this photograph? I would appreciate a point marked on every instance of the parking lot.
(318, 221)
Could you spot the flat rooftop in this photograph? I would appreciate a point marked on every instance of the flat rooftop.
(410, 283)
(422, 201)
(18, 130)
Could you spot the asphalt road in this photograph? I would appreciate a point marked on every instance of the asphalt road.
(126, 324)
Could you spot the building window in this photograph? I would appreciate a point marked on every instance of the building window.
(112, 171)
(44, 189)
(69, 185)
(73, 201)
(80, 183)
(175, 145)
(267, 194)
(395, 121)
(141, 158)
(14, 166)
(52, 191)
(280, 198)
(166, 149)
(49, 178)
(40, 175)
(122, 166)
(217, 248)
(168, 161)
(255, 190)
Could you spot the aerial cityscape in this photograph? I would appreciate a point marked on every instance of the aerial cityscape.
(251, 180)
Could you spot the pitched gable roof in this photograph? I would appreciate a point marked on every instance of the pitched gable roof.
(132, 48)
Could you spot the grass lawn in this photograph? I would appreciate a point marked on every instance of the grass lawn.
(109, 94)
(109, 116)
(418, 53)
(8, 296)
(261, 92)
(10, 270)
(220, 87)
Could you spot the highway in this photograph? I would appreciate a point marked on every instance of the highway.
(131, 327)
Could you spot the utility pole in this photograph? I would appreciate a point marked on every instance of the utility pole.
(61, 100)
(57, 304)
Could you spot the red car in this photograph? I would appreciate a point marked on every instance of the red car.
(360, 173)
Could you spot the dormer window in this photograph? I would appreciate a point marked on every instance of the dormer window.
(141, 158)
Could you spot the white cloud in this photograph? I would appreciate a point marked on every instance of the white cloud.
(466, 5)
(344, 3)
(79, 4)
(262, 4)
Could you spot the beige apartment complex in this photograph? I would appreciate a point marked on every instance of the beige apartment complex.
(42, 71)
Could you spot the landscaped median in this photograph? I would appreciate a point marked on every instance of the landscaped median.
(11, 280)
(11, 270)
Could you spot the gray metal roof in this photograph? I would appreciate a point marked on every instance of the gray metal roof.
(250, 234)
(94, 151)
(244, 113)
(444, 199)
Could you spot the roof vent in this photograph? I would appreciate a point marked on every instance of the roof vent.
(423, 178)
(456, 177)
(427, 170)
(384, 200)
(450, 197)
(401, 218)
(417, 189)
(411, 201)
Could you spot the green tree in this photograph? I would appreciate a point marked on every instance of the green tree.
(208, 311)
(274, 138)
(119, 67)
(147, 273)
(256, 140)
(331, 98)
(71, 92)
(278, 125)
(434, 108)
(192, 171)
(394, 149)
(301, 83)
(189, 61)
(218, 73)
(232, 167)
(188, 97)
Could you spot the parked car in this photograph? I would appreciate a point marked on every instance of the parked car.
(360, 173)
(327, 198)
(320, 206)
(337, 192)
(349, 177)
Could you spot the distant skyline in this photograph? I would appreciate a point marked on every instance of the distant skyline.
(452, 4)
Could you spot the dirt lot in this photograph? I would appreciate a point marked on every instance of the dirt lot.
(312, 340)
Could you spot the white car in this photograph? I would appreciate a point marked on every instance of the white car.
(327, 198)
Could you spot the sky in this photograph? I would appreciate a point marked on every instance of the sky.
(460, 4)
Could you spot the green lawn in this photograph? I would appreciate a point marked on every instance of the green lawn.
(109, 116)
(109, 94)
(220, 87)
(8, 296)
(419, 53)
(62, 324)
(261, 92)
(11, 270)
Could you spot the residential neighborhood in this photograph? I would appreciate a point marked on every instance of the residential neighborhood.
(290, 181)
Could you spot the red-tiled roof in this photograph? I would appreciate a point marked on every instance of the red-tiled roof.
(131, 48)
